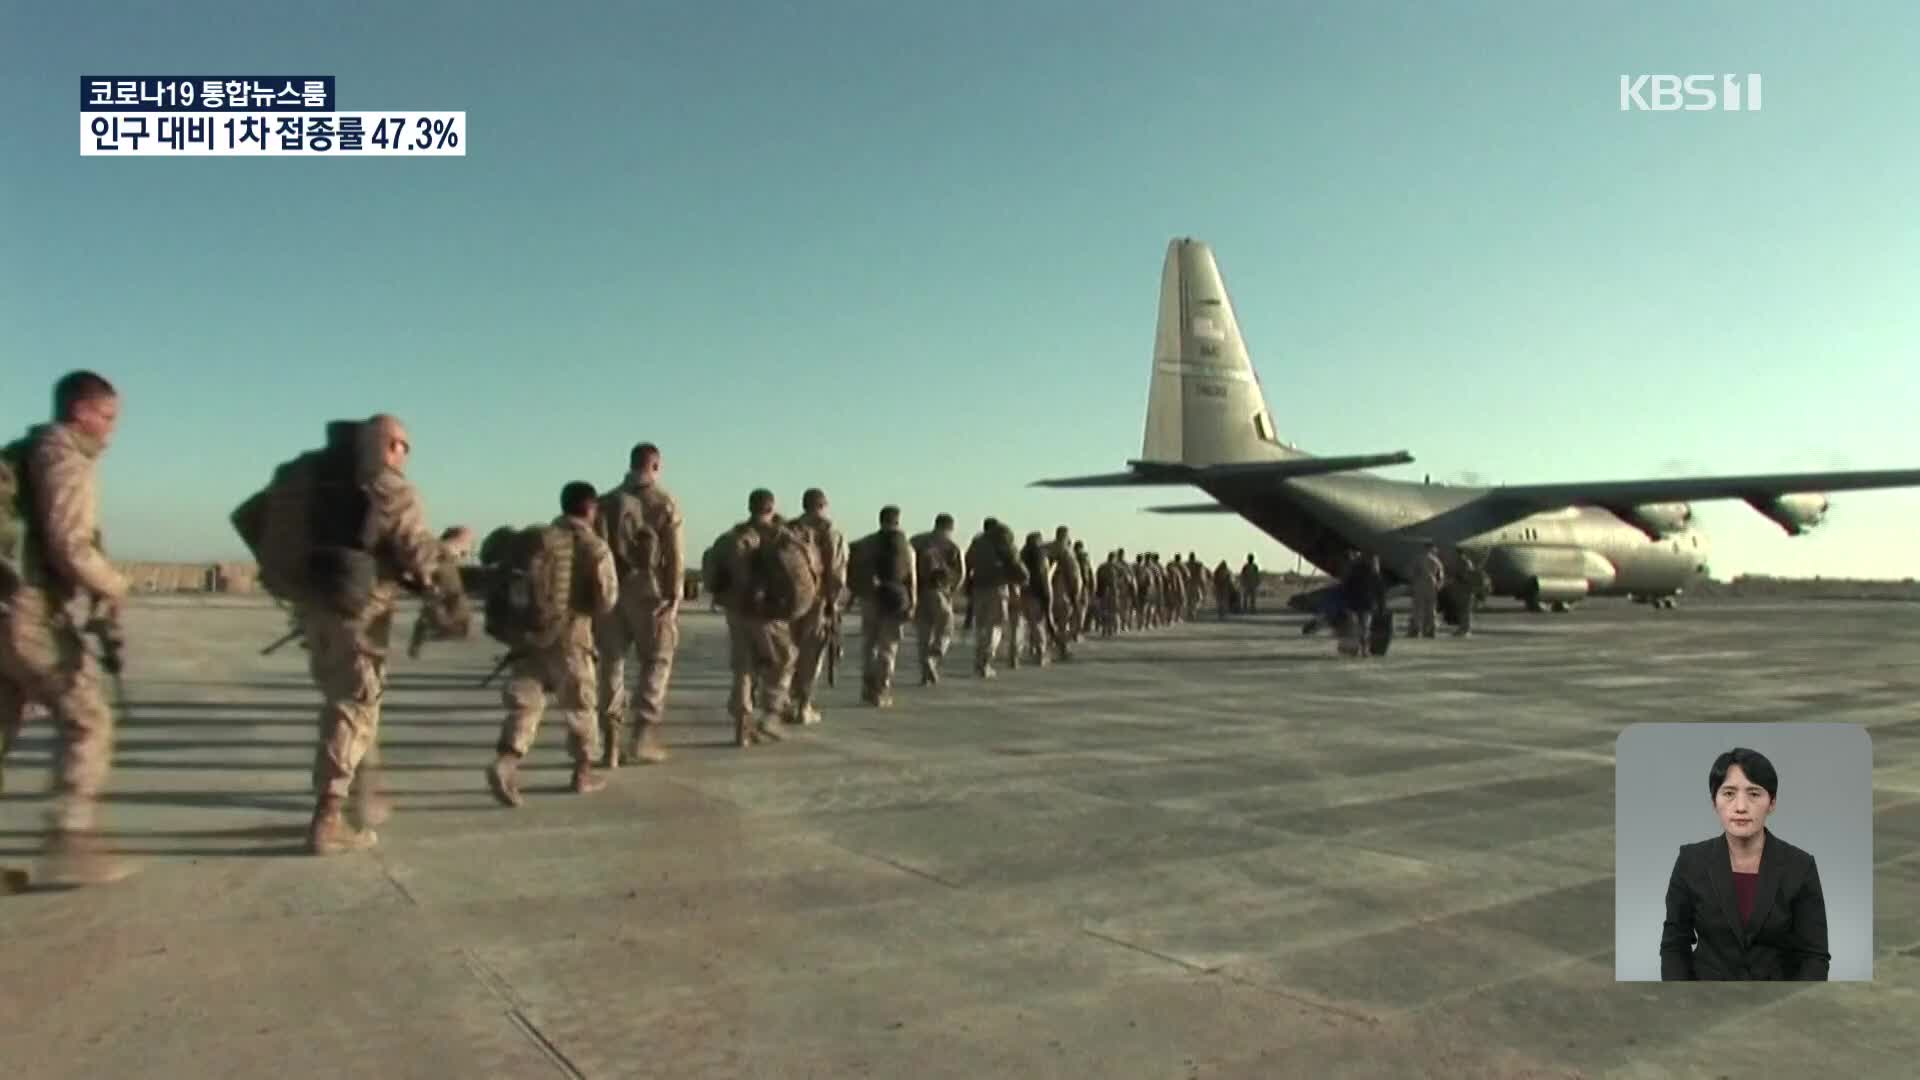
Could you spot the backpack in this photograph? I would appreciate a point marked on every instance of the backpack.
(786, 574)
(616, 507)
(307, 528)
(529, 602)
(16, 511)
(1012, 570)
(719, 566)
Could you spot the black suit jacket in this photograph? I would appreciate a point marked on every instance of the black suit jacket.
(1786, 939)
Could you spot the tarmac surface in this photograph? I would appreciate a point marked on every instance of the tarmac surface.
(1204, 851)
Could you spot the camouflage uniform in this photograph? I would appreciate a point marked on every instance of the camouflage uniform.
(43, 656)
(641, 525)
(1197, 577)
(1427, 576)
(991, 592)
(1467, 585)
(941, 568)
(813, 631)
(565, 669)
(347, 656)
(1106, 585)
(1066, 585)
(1249, 587)
(1125, 595)
(760, 650)
(880, 630)
(1037, 604)
(1083, 615)
(1223, 587)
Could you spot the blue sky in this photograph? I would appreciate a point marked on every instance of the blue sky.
(910, 253)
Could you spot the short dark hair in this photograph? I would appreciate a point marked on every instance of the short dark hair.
(990, 523)
(889, 515)
(577, 498)
(641, 454)
(75, 387)
(1752, 762)
(759, 501)
(943, 521)
(812, 498)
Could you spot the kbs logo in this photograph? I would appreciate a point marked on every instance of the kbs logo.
(1693, 93)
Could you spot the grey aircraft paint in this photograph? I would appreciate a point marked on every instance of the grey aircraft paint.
(1208, 426)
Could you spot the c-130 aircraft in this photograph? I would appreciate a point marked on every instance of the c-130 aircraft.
(1208, 426)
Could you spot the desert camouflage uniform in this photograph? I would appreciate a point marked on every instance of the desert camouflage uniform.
(991, 594)
(1065, 586)
(936, 556)
(881, 631)
(44, 659)
(760, 651)
(641, 524)
(347, 657)
(565, 669)
(1249, 587)
(813, 630)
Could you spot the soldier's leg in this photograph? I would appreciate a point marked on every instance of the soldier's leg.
(886, 653)
(869, 652)
(578, 682)
(810, 654)
(13, 716)
(742, 657)
(655, 646)
(941, 626)
(986, 632)
(349, 680)
(613, 637)
(776, 656)
(525, 699)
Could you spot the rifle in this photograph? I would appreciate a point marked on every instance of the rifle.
(112, 659)
(275, 647)
(511, 656)
(833, 644)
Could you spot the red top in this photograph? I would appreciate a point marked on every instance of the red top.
(1744, 886)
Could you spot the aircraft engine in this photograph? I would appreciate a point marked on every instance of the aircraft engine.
(1795, 513)
(1659, 519)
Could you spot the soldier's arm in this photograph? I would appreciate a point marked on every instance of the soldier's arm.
(63, 495)
(606, 578)
(413, 547)
(674, 536)
(913, 580)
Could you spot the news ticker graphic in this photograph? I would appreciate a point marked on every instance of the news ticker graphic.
(252, 116)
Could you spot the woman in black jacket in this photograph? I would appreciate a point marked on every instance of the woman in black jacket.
(1745, 905)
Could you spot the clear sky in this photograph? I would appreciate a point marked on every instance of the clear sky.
(910, 252)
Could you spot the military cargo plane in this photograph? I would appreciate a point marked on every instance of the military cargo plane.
(1549, 545)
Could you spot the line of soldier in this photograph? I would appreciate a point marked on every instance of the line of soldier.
(627, 570)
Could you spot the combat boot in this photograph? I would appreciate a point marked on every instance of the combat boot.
(585, 780)
(331, 835)
(742, 735)
(929, 673)
(502, 778)
(648, 747)
(76, 857)
(770, 729)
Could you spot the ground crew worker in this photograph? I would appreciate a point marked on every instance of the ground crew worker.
(813, 630)
(886, 582)
(347, 651)
(1467, 585)
(1365, 592)
(1427, 575)
(640, 522)
(1250, 586)
(941, 567)
(566, 668)
(55, 581)
(760, 650)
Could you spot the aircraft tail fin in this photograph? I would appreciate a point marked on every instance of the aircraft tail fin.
(1204, 406)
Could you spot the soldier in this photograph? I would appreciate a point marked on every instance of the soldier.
(641, 525)
(1426, 577)
(1105, 584)
(1065, 588)
(941, 568)
(1223, 588)
(347, 643)
(760, 650)
(565, 668)
(989, 577)
(813, 631)
(1250, 586)
(1123, 593)
(1083, 619)
(1466, 586)
(884, 578)
(1038, 606)
(56, 582)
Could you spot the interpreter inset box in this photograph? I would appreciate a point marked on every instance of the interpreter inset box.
(1743, 852)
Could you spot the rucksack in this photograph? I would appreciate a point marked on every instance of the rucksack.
(1012, 571)
(617, 506)
(720, 565)
(786, 574)
(307, 528)
(529, 601)
(16, 511)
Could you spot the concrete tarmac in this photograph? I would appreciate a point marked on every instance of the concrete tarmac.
(1205, 851)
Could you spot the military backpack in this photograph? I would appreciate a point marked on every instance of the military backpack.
(529, 601)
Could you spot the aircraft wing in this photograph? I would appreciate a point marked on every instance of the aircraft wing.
(1163, 472)
(1503, 505)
